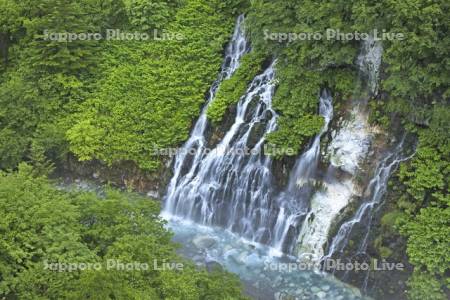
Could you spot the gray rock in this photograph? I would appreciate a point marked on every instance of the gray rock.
(356, 291)
(153, 194)
(204, 241)
(198, 258)
(213, 265)
(242, 258)
(236, 256)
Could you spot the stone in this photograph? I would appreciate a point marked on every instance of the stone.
(252, 260)
(213, 265)
(242, 258)
(197, 258)
(236, 256)
(204, 241)
(153, 194)
(355, 291)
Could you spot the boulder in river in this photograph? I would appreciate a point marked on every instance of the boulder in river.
(204, 241)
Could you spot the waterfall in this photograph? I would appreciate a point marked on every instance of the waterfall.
(369, 62)
(347, 149)
(193, 150)
(364, 216)
(230, 186)
(365, 213)
(349, 146)
(292, 201)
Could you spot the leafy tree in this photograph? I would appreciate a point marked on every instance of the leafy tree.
(147, 15)
(424, 286)
(42, 225)
(38, 223)
(10, 22)
(158, 96)
(232, 89)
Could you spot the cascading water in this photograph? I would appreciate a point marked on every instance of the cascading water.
(226, 186)
(376, 188)
(231, 186)
(348, 148)
(364, 216)
(193, 150)
(292, 201)
(369, 62)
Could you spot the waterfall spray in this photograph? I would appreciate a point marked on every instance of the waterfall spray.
(348, 148)
(237, 47)
(293, 200)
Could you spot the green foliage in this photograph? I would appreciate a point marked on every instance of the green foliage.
(423, 286)
(389, 220)
(426, 204)
(233, 88)
(10, 22)
(425, 173)
(149, 94)
(42, 225)
(43, 78)
(76, 95)
(428, 239)
(146, 15)
(115, 101)
(293, 133)
(426, 176)
(41, 165)
(297, 106)
(10, 16)
(416, 66)
(304, 67)
(49, 57)
(415, 78)
(38, 223)
(377, 114)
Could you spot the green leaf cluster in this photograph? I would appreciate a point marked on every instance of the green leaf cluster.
(232, 89)
(42, 225)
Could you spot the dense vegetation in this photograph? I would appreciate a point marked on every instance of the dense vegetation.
(414, 89)
(116, 101)
(231, 90)
(42, 227)
(106, 99)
